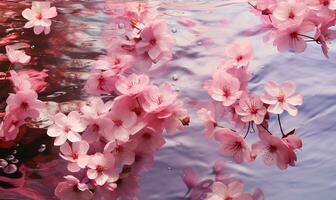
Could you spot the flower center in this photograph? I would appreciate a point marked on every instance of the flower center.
(272, 148)
(95, 128)
(118, 122)
(281, 99)
(24, 105)
(39, 16)
(66, 129)
(237, 146)
(227, 93)
(99, 168)
(117, 61)
(74, 156)
(293, 35)
(254, 110)
(325, 2)
(266, 12)
(101, 81)
(119, 149)
(291, 15)
(147, 136)
(153, 41)
(239, 58)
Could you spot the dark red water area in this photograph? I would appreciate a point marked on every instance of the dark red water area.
(59, 55)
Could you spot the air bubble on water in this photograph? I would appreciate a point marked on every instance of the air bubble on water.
(174, 30)
(174, 77)
(42, 148)
(199, 43)
(169, 168)
(3, 163)
(10, 169)
(10, 157)
(14, 151)
(121, 26)
(15, 161)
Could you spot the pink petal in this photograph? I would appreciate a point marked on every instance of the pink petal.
(74, 136)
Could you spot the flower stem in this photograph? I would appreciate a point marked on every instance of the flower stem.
(266, 129)
(248, 129)
(279, 121)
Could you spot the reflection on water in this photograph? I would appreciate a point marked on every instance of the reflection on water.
(201, 29)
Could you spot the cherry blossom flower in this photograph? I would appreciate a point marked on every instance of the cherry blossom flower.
(155, 41)
(20, 81)
(292, 38)
(10, 127)
(156, 99)
(101, 82)
(39, 17)
(149, 140)
(72, 188)
(251, 109)
(66, 128)
(208, 118)
(293, 141)
(133, 84)
(101, 168)
(239, 52)
(273, 150)
(124, 154)
(281, 97)
(96, 109)
(35, 78)
(95, 116)
(175, 117)
(17, 56)
(289, 13)
(234, 191)
(224, 88)
(233, 145)
(76, 154)
(190, 177)
(125, 123)
(25, 103)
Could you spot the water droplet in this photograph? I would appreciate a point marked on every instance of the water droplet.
(10, 157)
(175, 77)
(121, 26)
(169, 168)
(15, 161)
(22, 33)
(32, 46)
(3, 163)
(174, 30)
(14, 151)
(199, 43)
(10, 169)
(42, 148)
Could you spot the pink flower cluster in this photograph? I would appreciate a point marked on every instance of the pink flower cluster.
(22, 105)
(138, 31)
(224, 186)
(108, 141)
(232, 99)
(294, 23)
